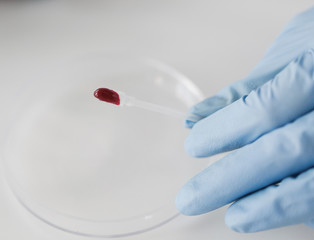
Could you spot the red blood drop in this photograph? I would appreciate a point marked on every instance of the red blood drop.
(107, 95)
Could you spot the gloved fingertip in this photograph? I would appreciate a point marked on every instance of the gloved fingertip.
(189, 123)
(208, 106)
(185, 200)
(191, 147)
(196, 148)
(191, 119)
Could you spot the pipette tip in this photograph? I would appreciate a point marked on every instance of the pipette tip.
(107, 95)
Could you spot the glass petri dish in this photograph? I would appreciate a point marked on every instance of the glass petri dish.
(95, 169)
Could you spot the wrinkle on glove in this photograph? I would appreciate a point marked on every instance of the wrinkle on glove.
(287, 204)
(278, 102)
(269, 118)
(281, 153)
(296, 38)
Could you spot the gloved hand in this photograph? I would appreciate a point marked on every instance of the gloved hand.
(269, 118)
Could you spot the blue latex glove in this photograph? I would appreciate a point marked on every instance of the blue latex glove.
(269, 118)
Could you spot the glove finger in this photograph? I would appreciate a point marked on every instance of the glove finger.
(279, 101)
(289, 203)
(205, 108)
(297, 36)
(281, 153)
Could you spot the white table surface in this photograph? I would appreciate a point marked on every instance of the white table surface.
(211, 42)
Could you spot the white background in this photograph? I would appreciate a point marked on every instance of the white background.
(213, 42)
